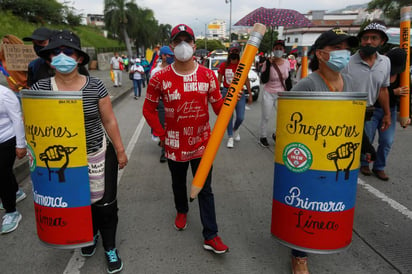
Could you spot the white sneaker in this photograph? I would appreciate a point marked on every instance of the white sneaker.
(155, 139)
(237, 135)
(10, 222)
(230, 142)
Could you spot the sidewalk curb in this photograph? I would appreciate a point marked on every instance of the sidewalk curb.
(21, 167)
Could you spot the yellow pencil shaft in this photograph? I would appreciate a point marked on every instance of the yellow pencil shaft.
(405, 27)
(226, 111)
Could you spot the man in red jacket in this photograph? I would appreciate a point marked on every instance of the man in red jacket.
(186, 88)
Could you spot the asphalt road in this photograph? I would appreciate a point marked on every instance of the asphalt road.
(243, 186)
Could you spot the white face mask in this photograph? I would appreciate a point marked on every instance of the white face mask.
(183, 51)
(278, 53)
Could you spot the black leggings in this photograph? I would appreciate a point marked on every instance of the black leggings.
(8, 183)
(104, 211)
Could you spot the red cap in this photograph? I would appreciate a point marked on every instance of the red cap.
(181, 28)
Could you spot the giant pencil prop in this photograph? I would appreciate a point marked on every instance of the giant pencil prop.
(227, 109)
(304, 70)
(404, 81)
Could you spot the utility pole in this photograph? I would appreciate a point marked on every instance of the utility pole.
(230, 20)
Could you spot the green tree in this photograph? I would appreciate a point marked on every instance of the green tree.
(163, 33)
(116, 18)
(391, 9)
(269, 38)
(36, 11)
(211, 44)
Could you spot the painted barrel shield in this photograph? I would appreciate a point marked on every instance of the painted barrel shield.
(317, 154)
(55, 133)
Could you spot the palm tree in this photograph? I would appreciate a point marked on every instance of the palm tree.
(117, 17)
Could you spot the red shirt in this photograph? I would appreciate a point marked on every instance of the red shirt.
(185, 99)
(228, 72)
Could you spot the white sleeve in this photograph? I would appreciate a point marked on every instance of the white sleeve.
(14, 111)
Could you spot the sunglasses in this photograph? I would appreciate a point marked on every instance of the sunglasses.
(66, 51)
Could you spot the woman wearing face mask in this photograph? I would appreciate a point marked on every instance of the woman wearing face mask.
(226, 72)
(65, 55)
(279, 72)
(331, 55)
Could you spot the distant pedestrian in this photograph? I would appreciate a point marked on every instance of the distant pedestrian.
(186, 89)
(226, 73)
(116, 65)
(146, 67)
(12, 144)
(138, 73)
(278, 72)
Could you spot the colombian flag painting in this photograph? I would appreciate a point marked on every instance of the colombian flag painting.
(56, 138)
(317, 157)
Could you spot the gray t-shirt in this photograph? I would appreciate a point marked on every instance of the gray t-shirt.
(369, 79)
(313, 82)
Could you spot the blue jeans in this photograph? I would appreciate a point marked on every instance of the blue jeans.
(240, 113)
(137, 86)
(385, 137)
(205, 197)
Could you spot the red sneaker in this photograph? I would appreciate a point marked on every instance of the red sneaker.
(216, 245)
(180, 221)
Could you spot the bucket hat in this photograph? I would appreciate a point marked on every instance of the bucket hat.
(64, 38)
(378, 26)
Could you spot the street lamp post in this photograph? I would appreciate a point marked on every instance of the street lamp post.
(230, 20)
(205, 37)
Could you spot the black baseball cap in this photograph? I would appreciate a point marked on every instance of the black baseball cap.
(333, 37)
(40, 34)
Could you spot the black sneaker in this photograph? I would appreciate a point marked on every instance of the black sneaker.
(264, 142)
(114, 263)
(89, 251)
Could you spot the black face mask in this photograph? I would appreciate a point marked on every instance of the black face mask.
(234, 56)
(37, 49)
(368, 50)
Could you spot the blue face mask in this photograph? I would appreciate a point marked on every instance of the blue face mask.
(338, 59)
(63, 63)
(170, 60)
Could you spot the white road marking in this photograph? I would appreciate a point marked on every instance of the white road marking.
(77, 261)
(394, 204)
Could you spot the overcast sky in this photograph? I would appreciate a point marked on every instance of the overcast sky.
(196, 13)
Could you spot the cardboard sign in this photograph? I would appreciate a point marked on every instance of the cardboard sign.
(18, 57)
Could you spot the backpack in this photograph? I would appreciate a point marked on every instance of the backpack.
(264, 77)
